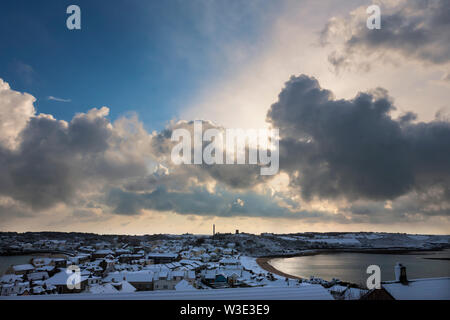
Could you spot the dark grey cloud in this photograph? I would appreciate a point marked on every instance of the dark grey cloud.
(331, 149)
(413, 207)
(55, 160)
(354, 148)
(200, 201)
(11, 210)
(416, 29)
(78, 162)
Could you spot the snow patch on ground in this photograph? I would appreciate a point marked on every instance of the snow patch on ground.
(250, 263)
(347, 241)
(418, 237)
(288, 238)
(373, 236)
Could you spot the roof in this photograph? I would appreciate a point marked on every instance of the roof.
(306, 292)
(338, 288)
(210, 274)
(183, 285)
(23, 267)
(60, 278)
(161, 274)
(162, 255)
(229, 261)
(38, 275)
(178, 273)
(138, 276)
(10, 278)
(41, 261)
(126, 287)
(103, 289)
(420, 289)
(354, 293)
(104, 251)
(230, 272)
(45, 268)
(38, 289)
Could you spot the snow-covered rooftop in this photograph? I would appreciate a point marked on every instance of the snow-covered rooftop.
(307, 292)
(183, 285)
(420, 289)
(23, 267)
(162, 255)
(139, 276)
(61, 278)
(10, 278)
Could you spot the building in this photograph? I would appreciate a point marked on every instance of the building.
(167, 280)
(60, 262)
(147, 280)
(229, 262)
(102, 253)
(141, 280)
(15, 288)
(34, 276)
(159, 258)
(60, 280)
(114, 287)
(41, 262)
(20, 269)
(416, 289)
(11, 284)
(81, 258)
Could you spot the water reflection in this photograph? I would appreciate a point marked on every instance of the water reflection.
(352, 267)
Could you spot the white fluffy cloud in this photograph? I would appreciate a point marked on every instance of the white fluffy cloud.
(15, 111)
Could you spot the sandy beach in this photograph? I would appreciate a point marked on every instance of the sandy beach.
(264, 263)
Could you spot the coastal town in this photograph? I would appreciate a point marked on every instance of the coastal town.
(89, 265)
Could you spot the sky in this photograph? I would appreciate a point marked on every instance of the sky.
(86, 115)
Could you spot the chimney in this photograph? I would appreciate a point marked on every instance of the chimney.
(403, 278)
(400, 273)
(214, 229)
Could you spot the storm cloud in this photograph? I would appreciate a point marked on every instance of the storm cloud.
(46, 162)
(221, 203)
(55, 160)
(354, 149)
(330, 149)
(414, 29)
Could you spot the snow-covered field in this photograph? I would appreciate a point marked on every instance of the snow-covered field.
(358, 240)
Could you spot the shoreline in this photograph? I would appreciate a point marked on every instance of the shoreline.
(31, 256)
(263, 262)
(265, 265)
(312, 252)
